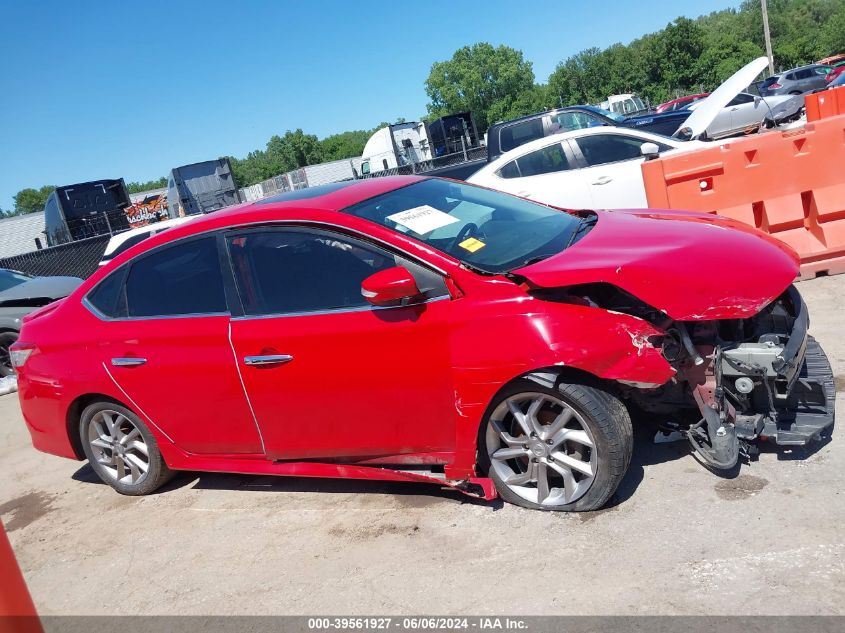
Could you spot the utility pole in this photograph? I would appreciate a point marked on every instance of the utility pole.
(767, 36)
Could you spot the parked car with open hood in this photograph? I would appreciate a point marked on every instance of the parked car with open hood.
(20, 294)
(748, 113)
(420, 329)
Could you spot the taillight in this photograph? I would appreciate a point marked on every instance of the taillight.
(19, 353)
(774, 86)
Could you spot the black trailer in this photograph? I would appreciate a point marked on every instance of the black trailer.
(201, 188)
(87, 209)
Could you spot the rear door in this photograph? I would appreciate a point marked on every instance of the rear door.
(746, 112)
(165, 345)
(546, 175)
(612, 169)
(328, 375)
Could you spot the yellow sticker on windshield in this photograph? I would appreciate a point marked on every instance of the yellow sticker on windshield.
(471, 244)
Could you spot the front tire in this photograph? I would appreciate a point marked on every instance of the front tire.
(121, 449)
(560, 449)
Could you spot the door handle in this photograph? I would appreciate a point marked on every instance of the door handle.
(602, 180)
(267, 359)
(128, 362)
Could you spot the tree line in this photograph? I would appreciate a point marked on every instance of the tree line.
(498, 83)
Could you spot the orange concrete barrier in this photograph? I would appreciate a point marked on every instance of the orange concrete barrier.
(789, 184)
(17, 613)
(826, 103)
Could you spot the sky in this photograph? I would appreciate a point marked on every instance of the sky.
(92, 90)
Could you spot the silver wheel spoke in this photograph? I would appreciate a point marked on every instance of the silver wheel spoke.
(134, 433)
(519, 416)
(138, 446)
(507, 438)
(569, 483)
(559, 422)
(109, 422)
(101, 443)
(520, 479)
(120, 465)
(542, 482)
(531, 414)
(572, 463)
(509, 453)
(572, 435)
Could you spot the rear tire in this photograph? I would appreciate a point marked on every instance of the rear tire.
(6, 340)
(121, 449)
(562, 449)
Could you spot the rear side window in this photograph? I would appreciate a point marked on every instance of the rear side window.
(520, 134)
(108, 296)
(600, 149)
(546, 160)
(177, 280)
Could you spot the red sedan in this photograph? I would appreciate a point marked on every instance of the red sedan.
(680, 102)
(426, 330)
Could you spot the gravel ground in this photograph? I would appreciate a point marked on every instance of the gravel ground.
(676, 540)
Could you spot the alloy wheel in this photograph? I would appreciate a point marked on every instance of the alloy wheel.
(542, 449)
(118, 447)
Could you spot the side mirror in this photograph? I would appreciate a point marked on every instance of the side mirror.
(394, 286)
(650, 150)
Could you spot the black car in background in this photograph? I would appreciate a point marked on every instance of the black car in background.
(502, 137)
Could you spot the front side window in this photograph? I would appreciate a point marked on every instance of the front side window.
(295, 271)
(568, 121)
(600, 149)
(177, 280)
(487, 230)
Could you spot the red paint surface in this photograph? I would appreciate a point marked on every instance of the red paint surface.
(398, 385)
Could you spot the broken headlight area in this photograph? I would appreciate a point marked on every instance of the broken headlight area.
(737, 380)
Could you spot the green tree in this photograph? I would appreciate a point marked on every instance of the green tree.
(32, 200)
(479, 78)
(293, 150)
(344, 145)
(137, 187)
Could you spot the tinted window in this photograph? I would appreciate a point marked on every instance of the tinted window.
(741, 98)
(542, 161)
(181, 279)
(599, 149)
(510, 170)
(566, 121)
(822, 70)
(803, 74)
(10, 279)
(281, 272)
(108, 296)
(520, 134)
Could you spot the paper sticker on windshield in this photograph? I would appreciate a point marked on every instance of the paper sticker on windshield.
(422, 219)
(472, 244)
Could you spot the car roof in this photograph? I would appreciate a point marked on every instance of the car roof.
(536, 115)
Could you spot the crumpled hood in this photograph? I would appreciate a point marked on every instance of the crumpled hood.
(41, 288)
(692, 266)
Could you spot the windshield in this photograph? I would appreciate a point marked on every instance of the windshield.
(618, 118)
(629, 105)
(11, 278)
(490, 231)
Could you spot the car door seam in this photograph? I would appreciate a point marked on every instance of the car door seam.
(135, 404)
(246, 393)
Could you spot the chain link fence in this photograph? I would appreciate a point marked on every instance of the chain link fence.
(73, 259)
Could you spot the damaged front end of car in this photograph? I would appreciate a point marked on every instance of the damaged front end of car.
(761, 377)
(737, 381)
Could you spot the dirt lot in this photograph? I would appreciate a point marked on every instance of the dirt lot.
(677, 539)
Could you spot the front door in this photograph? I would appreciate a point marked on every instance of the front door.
(329, 376)
(165, 345)
(613, 169)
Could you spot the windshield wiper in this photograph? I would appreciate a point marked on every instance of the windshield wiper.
(583, 223)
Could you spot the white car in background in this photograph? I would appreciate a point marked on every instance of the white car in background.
(747, 112)
(126, 240)
(593, 168)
